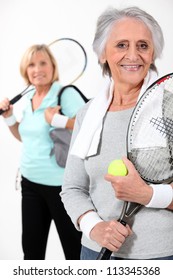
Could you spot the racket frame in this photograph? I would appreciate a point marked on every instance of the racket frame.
(84, 53)
(131, 125)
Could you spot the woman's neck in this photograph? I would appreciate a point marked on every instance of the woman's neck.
(42, 90)
(39, 95)
(124, 98)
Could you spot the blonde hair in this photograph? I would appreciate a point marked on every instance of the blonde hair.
(27, 58)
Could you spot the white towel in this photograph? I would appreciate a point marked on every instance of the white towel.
(87, 140)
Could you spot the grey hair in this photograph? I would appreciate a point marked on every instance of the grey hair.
(109, 17)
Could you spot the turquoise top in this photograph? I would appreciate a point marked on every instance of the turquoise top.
(36, 163)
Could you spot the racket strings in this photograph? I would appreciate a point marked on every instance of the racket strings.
(164, 126)
(150, 135)
(153, 164)
(168, 117)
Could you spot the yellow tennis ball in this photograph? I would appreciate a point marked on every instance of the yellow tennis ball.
(117, 168)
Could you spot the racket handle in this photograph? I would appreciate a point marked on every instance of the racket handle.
(12, 101)
(105, 253)
(122, 222)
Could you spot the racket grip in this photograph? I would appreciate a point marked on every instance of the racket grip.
(1, 111)
(12, 101)
(122, 222)
(105, 253)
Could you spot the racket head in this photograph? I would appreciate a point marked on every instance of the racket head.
(150, 133)
(71, 59)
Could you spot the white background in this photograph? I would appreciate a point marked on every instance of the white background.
(24, 23)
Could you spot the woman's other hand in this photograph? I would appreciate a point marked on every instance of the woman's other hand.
(110, 234)
(7, 107)
(50, 112)
(130, 187)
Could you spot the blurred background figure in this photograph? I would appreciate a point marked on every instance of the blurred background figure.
(41, 177)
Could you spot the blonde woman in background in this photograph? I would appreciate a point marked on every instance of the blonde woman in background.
(41, 176)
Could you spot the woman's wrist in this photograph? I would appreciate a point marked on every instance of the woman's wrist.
(162, 196)
(10, 121)
(88, 221)
(59, 121)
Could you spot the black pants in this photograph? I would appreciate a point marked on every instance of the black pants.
(40, 205)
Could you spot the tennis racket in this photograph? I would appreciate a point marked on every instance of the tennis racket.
(19, 96)
(150, 142)
(71, 59)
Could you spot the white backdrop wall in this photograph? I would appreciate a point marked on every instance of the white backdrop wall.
(23, 23)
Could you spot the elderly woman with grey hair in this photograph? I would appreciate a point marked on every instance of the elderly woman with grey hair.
(127, 43)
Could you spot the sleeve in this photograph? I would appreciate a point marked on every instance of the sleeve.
(75, 188)
(71, 102)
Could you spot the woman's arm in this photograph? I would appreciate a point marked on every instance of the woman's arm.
(9, 118)
(54, 118)
(134, 189)
(14, 130)
(75, 189)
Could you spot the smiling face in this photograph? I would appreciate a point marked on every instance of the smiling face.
(129, 52)
(40, 69)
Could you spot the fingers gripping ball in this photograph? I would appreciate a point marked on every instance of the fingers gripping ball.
(117, 168)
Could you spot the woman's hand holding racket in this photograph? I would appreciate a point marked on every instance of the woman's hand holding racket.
(121, 174)
(6, 108)
(14, 99)
(110, 234)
